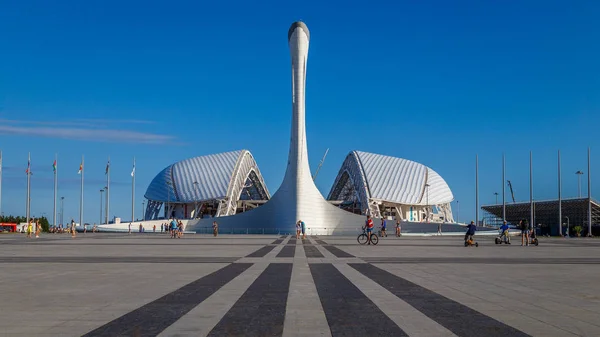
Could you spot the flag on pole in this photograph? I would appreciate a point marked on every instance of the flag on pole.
(54, 166)
(80, 168)
(133, 171)
(107, 167)
(28, 166)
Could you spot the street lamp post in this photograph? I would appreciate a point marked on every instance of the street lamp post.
(427, 207)
(106, 212)
(579, 174)
(143, 211)
(195, 199)
(496, 194)
(62, 209)
(101, 196)
(169, 184)
(457, 212)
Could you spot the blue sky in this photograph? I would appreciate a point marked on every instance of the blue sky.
(432, 81)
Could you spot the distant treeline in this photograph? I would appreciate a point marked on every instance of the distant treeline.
(21, 219)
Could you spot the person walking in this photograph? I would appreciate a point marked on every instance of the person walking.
(383, 227)
(162, 227)
(398, 229)
(215, 228)
(38, 228)
(130, 228)
(524, 232)
(439, 232)
(154, 229)
(303, 229)
(73, 228)
(298, 229)
(173, 230)
(29, 227)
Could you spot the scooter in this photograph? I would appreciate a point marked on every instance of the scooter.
(502, 238)
(470, 242)
(533, 239)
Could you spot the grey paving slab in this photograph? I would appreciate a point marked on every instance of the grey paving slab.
(203, 318)
(349, 312)
(154, 317)
(491, 299)
(304, 312)
(260, 311)
(69, 287)
(456, 317)
(412, 321)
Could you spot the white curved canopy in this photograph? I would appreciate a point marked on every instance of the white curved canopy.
(395, 180)
(217, 177)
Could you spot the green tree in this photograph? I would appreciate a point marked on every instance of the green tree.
(21, 219)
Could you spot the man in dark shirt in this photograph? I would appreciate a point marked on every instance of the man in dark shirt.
(471, 228)
(524, 232)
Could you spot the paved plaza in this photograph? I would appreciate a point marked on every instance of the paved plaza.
(243, 285)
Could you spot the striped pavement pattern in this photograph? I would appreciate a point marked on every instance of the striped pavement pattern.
(283, 293)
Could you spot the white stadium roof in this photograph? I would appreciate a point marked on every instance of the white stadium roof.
(219, 176)
(395, 180)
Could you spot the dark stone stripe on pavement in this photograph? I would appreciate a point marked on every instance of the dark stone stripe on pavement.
(287, 251)
(292, 242)
(456, 317)
(116, 259)
(337, 252)
(261, 252)
(306, 242)
(261, 309)
(349, 312)
(485, 260)
(312, 251)
(154, 317)
(283, 236)
(276, 242)
(321, 242)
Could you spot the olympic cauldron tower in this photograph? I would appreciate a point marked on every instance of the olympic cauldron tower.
(297, 198)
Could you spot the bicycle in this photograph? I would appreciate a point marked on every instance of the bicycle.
(362, 238)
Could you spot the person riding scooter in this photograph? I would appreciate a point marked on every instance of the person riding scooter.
(504, 233)
(471, 228)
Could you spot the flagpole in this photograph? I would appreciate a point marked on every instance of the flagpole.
(27, 210)
(108, 191)
(81, 201)
(55, 188)
(589, 215)
(133, 192)
(560, 233)
(0, 182)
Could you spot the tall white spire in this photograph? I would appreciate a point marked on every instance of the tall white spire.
(297, 198)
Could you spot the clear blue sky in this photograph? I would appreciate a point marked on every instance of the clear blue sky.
(432, 81)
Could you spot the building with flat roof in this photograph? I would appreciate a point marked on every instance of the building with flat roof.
(574, 212)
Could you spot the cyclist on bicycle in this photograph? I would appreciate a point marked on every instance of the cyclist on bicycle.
(369, 227)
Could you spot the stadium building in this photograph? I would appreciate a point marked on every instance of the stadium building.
(208, 186)
(391, 187)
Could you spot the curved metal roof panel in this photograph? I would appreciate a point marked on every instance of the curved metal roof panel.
(402, 181)
(212, 172)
